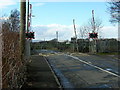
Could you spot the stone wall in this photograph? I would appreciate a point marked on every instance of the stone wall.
(83, 45)
(107, 45)
(101, 45)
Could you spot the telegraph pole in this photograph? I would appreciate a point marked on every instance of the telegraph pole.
(28, 17)
(22, 27)
(57, 39)
(57, 35)
(75, 44)
(27, 43)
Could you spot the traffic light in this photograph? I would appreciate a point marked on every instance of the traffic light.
(30, 35)
(93, 35)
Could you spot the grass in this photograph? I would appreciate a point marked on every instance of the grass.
(110, 53)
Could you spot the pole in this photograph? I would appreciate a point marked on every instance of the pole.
(57, 35)
(28, 17)
(22, 27)
(27, 44)
(76, 45)
(94, 40)
(57, 39)
(93, 21)
(74, 28)
(118, 37)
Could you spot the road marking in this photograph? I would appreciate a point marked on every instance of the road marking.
(58, 82)
(94, 66)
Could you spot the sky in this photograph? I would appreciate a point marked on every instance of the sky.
(58, 16)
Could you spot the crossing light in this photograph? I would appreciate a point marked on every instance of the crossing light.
(30, 35)
(93, 35)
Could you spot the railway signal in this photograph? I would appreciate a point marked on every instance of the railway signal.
(93, 35)
(30, 35)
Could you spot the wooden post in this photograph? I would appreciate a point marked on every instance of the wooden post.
(22, 27)
(1, 48)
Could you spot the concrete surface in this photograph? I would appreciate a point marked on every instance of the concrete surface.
(39, 74)
(90, 71)
(82, 75)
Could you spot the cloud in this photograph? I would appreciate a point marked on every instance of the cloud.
(65, 32)
(38, 4)
(61, 0)
(5, 3)
(48, 32)
(109, 32)
(4, 18)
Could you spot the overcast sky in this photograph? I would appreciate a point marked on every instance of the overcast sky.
(55, 16)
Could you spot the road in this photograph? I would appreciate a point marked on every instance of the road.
(84, 70)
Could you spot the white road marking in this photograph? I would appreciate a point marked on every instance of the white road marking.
(53, 73)
(94, 66)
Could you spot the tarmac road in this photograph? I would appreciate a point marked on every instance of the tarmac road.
(84, 71)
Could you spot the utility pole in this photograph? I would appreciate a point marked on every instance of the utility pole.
(75, 44)
(28, 17)
(94, 28)
(57, 35)
(27, 43)
(57, 39)
(22, 27)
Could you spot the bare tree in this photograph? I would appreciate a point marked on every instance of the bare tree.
(114, 10)
(86, 29)
(5, 23)
(98, 24)
(14, 20)
(11, 23)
